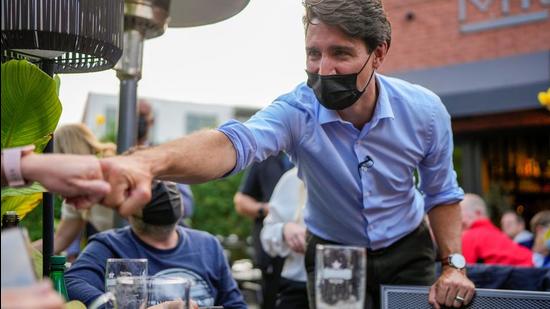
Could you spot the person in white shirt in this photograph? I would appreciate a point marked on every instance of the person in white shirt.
(283, 234)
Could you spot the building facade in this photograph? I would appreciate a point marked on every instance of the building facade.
(173, 119)
(487, 60)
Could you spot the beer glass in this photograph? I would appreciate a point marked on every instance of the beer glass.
(340, 277)
(168, 293)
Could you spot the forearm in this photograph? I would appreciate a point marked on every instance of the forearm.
(195, 158)
(248, 206)
(67, 231)
(446, 224)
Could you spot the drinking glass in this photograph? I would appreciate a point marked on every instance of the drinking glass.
(126, 293)
(116, 268)
(340, 277)
(168, 292)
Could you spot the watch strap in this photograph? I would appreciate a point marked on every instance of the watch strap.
(261, 212)
(12, 164)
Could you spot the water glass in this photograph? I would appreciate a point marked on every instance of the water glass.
(340, 277)
(168, 292)
(116, 268)
(126, 293)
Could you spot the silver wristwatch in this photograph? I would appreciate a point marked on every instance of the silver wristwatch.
(455, 260)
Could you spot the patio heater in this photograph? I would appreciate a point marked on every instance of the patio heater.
(147, 19)
(62, 36)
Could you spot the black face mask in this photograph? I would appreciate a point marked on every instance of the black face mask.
(337, 92)
(143, 126)
(165, 207)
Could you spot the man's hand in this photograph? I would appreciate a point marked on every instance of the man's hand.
(78, 178)
(452, 289)
(130, 178)
(295, 237)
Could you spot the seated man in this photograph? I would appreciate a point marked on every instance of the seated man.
(482, 242)
(171, 250)
(513, 225)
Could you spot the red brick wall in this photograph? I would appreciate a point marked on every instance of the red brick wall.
(433, 38)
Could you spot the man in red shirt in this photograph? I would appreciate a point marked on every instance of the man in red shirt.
(482, 242)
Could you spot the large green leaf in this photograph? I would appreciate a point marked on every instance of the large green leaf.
(22, 204)
(34, 188)
(30, 104)
(30, 113)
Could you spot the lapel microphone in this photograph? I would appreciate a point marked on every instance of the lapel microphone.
(366, 164)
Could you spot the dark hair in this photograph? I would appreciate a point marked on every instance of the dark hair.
(365, 19)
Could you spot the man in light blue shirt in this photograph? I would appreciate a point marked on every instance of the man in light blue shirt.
(357, 138)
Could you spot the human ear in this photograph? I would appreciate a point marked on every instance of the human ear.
(379, 55)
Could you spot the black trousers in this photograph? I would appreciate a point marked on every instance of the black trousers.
(409, 261)
(292, 295)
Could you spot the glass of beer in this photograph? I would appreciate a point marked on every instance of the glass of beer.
(340, 277)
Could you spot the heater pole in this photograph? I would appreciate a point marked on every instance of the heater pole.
(48, 66)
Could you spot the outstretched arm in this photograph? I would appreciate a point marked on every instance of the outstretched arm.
(78, 178)
(199, 157)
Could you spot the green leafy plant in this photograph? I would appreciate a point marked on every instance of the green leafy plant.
(30, 112)
(214, 210)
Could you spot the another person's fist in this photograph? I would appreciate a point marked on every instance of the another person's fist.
(75, 177)
(38, 296)
(130, 179)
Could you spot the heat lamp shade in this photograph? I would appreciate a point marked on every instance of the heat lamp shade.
(79, 35)
(191, 13)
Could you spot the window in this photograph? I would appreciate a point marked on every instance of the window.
(196, 121)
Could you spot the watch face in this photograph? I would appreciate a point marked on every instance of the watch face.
(457, 261)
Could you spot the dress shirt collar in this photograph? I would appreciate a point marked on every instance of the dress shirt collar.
(382, 109)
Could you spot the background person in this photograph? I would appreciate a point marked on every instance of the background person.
(513, 225)
(146, 120)
(171, 251)
(484, 243)
(284, 235)
(79, 139)
(540, 226)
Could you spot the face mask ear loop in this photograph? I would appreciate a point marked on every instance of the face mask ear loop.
(371, 75)
(365, 64)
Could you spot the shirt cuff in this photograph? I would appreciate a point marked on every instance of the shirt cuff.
(449, 197)
(243, 141)
(272, 240)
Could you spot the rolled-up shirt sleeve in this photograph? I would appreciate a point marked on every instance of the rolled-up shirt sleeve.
(265, 134)
(438, 177)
